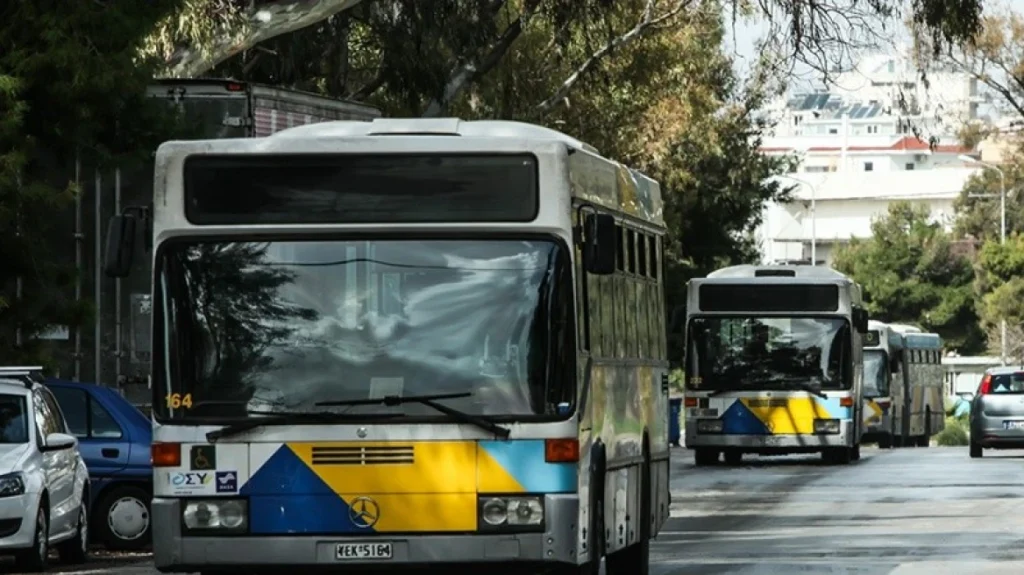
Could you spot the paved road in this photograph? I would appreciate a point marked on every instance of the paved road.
(910, 511)
(900, 512)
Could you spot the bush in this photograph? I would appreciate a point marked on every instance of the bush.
(956, 432)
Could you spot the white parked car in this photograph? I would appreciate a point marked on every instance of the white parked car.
(44, 483)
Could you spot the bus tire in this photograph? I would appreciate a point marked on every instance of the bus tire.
(705, 456)
(733, 457)
(975, 451)
(926, 439)
(636, 559)
(885, 441)
(837, 455)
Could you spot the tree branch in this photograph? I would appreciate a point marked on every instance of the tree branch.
(262, 22)
(472, 69)
(647, 21)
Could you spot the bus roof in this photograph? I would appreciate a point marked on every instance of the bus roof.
(904, 328)
(922, 340)
(432, 127)
(772, 271)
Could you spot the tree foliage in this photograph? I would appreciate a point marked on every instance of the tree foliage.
(1000, 289)
(911, 274)
(994, 58)
(978, 213)
(71, 89)
(201, 34)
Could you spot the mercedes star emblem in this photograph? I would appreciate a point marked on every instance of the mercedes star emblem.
(364, 512)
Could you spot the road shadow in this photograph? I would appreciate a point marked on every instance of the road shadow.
(100, 561)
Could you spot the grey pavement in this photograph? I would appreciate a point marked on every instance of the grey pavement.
(914, 511)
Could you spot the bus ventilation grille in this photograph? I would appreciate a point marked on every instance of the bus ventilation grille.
(373, 455)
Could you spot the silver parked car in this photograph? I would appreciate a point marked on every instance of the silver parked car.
(997, 411)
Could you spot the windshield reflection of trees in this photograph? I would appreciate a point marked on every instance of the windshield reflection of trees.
(226, 313)
(876, 383)
(279, 326)
(756, 352)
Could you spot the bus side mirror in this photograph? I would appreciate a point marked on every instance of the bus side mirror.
(860, 320)
(120, 248)
(600, 244)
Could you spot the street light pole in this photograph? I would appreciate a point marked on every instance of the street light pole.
(1002, 236)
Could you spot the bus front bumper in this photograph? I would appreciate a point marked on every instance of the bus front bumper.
(175, 552)
(776, 443)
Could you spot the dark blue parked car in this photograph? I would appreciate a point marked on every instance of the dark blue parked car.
(114, 440)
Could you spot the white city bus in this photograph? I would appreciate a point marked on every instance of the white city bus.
(404, 343)
(773, 363)
(883, 383)
(921, 411)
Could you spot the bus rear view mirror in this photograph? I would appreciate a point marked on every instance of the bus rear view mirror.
(860, 320)
(600, 244)
(120, 248)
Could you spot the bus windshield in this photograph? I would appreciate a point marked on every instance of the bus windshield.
(738, 353)
(876, 374)
(246, 328)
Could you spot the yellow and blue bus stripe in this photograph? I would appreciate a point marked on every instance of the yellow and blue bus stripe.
(780, 416)
(436, 492)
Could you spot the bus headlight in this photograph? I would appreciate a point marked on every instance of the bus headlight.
(218, 515)
(499, 512)
(826, 426)
(709, 425)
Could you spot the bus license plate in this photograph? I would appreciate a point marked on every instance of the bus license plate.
(356, 551)
(1013, 425)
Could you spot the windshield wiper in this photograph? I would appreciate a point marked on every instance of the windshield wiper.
(287, 418)
(429, 401)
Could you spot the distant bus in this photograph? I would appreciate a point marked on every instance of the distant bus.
(921, 410)
(883, 380)
(773, 363)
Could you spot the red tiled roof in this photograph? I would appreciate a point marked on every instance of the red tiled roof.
(904, 144)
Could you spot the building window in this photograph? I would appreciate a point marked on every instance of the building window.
(872, 129)
(833, 130)
(909, 166)
(816, 169)
(869, 166)
(796, 120)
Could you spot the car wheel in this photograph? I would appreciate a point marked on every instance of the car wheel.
(76, 549)
(121, 519)
(35, 560)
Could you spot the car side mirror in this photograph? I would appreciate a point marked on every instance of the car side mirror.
(600, 243)
(59, 442)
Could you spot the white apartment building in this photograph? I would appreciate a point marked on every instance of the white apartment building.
(882, 95)
(857, 152)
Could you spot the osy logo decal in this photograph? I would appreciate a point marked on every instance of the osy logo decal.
(193, 479)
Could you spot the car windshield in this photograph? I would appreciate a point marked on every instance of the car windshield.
(736, 353)
(12, 419)
(876, 380)
(247, 327)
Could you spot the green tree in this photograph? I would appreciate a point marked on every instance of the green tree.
(1000, 289)
(911, 274)
(978, 206)
(70, 88)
